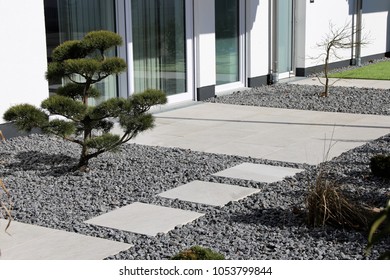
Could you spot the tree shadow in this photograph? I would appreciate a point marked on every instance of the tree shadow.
(44, 163)
(271, 217)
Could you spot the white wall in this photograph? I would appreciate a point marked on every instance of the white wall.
(22, 53)
(376, 25)
(318, 16)
(312, 25)
(204, 27)
(257, 24)
(300, 34)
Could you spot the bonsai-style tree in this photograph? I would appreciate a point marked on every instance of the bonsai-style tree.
(338, 38)
(83, 63)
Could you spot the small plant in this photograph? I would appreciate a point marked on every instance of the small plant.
(198, 253)
(338, 38)
(381, 223)
(380, 166)
(83, 63)
(327, 205)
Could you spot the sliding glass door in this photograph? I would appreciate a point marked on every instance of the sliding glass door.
(159, 45)
(227, 35)
(71, 20)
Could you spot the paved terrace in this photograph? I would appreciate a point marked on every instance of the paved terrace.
(277, 134)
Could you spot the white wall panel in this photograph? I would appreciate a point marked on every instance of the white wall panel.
(318, 16)
(204, 27)
(22, 53)
(257, 23)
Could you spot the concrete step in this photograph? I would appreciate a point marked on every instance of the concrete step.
(29, 242)
(258, 172)
(208, 193)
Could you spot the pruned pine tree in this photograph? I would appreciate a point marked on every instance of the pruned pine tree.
(83, 63)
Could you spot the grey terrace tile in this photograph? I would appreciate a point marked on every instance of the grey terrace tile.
(145, 218)
(258, 172)
(30, 242)
(208, 193)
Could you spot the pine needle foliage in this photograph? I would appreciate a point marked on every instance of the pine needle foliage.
(83, 63)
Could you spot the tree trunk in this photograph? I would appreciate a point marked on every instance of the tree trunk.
(326, 70)
(84, 160)
(326, 89)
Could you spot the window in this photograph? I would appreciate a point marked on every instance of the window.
(71, 20)
(227, 35)
(159, 45)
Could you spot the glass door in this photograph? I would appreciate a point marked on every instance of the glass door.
(160, 49)
(285, 37)
(228, 43)
(71, 20)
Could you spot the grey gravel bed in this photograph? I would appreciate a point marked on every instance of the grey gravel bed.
(263, 226)
(306, 97)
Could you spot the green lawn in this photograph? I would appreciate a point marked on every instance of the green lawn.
(376, 71)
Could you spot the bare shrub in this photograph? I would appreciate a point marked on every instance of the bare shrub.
(327, 205)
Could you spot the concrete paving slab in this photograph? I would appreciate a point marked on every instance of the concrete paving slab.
(258, 172)
(259, 132)
(145, 218)
(313, 151)
(208, 193)
(242, 148)
(29, 242)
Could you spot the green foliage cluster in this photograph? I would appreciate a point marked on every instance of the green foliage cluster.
(84, 63)
(380, 166)
(379, 230)
(198, 253)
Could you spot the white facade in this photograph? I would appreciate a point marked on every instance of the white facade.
(376, 21)
(313, 20)
(24, 59)
(22, 53)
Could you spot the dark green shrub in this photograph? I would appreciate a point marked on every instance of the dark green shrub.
(380, 166)
(198, 253)
(380, 229)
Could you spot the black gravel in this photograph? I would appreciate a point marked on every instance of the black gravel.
(267, 225)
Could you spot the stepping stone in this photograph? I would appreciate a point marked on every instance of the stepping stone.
(259, 172)
(29, 242)
(208, 193)
(145, 218)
